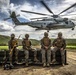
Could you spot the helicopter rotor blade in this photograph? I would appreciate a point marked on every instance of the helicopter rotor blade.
(47, 7)
(67, 8)
(49, 17)
(35, 13)
(68, 15)
(38, 18)
(18, 15)
(6, 19)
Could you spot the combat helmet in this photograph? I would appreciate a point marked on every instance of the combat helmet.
(12, 35)
(60, 34)
(45, 34)
(26, 35)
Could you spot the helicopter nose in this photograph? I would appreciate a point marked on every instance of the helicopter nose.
(73, 24)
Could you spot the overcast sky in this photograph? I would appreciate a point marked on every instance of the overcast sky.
(6, 27)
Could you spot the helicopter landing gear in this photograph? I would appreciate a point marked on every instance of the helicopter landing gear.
(47, 30)
(72, 28)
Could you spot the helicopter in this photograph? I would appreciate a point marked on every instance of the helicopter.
(51, 22)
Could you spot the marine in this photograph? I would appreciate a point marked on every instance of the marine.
(26, 43)
(45, 48)
(27, 46)
(59, 44)
(13, 51)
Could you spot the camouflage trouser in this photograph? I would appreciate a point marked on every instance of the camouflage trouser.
(15, 52)
(35, 56)
(44, 55)
(62, 54)
(26, 52)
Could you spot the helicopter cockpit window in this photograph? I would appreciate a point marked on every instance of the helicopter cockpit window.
(66, 20)
(44, 23)
(43, 20)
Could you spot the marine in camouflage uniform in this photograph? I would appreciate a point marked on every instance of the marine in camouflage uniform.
(26, 43)
(13, 44)
(59, 44)
(45, 48)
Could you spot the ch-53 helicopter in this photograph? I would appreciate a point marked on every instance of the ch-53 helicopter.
(51, 22)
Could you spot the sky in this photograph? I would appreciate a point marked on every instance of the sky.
(7, 27)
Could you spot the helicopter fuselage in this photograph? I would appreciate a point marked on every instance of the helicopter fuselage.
(51, 24)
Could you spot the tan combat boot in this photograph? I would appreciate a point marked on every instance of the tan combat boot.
(63, 64)
(44, 64)
(48, 64)
(26, 64)
(53, 61)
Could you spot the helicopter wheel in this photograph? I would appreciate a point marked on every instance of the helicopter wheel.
(72, 28)
(47, 30)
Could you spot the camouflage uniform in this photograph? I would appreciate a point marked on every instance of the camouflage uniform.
(13, 43)
(46, 42)
(58, 44)
(26, 47)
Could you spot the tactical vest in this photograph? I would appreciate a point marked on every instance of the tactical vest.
(59, 42)
(46, 41)
(13, 42)
(27, 43)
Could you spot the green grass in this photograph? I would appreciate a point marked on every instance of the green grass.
(4, 40)
(71, 47)
(6, 47)
(20, 47)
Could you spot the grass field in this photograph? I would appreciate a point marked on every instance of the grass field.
(20, 47)
(6, 47)
(71, 47)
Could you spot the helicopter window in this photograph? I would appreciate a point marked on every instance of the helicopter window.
(41, 25)
(44, 23)
(43, 20)
(66, 22)
(71, 22)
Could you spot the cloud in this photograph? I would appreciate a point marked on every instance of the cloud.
(61, 5)
(4, 3)
(6, 26)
